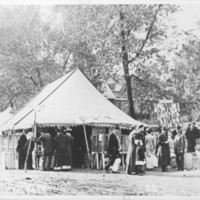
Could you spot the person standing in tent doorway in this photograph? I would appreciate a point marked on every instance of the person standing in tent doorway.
(21, 151)
(60, 145)
(113, 150)
(29, 146)
(69, 140)
(47, 143)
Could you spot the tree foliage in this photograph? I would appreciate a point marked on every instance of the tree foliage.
(39, 44)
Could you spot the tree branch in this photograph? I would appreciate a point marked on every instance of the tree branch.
(39, 77)
(30, 76)
(146, 82)
(147, 36)
(66, 61)
(165, 92)
(34, 82)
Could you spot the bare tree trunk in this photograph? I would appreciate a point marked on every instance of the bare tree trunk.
(126, 70)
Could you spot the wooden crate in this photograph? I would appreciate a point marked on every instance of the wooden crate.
(99, 143)
(99, 140)
(9, 160)
(196, 163)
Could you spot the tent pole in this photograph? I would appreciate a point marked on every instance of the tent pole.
(35, 136)
(87, 147)
(29, 146)
(35, 125)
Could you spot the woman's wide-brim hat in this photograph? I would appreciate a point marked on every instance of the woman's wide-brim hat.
(67, 129)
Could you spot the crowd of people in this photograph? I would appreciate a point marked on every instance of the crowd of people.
(56, 153)
(148, 149)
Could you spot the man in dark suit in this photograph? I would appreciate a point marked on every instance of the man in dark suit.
(21, 151)
(190, 136)
(195, 131)
(47, 142)
(60, 144)
(69, 141)
(179, 148)
(113, 150)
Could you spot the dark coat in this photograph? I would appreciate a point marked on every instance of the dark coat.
(141, 150)
(191, 137)
(174, 133)
(69, 142)
(47, 143)
(188, 134)
(165, 151)
(21, 151)
(21, 142)
(113, 146)
(195, 132)
(60, 145)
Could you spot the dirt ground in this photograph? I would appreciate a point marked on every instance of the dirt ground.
(98, 182)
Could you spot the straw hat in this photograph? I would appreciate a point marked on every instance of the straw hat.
(67, 129)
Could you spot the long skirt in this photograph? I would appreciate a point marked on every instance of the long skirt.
(150, 158)
(191, 145)
(60, 159)
(131, 158)
(69, 158)
(21, 158)
(164, 155)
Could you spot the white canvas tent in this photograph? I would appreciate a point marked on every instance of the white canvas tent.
(71, 100)
(5, 115)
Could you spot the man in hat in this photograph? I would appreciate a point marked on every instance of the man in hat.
(61, 144)
(69, 141)
(179, 148)
(47, 142)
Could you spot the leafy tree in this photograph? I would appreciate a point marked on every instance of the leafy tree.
(102, 41)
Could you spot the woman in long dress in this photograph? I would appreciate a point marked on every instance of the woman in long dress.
(69, 140)
(150, 143)
(131, 154)
(140, 151)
